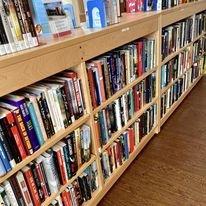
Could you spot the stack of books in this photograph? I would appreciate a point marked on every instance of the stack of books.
(33, 114)
(116, 69)
(118, 152)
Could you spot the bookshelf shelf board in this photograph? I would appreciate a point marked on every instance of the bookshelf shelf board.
(171, 56)
(48, 144)
(123, 91)
(129, 123)
(119, 171)
(63, 187)
(182, 11)
(178, 102)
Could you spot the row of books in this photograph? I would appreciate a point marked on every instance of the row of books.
(180, 34)
(176, 67)
(33, 184)
(33, 114)
(199, 23)
(132, 6)
(116, 154)
(199, 48)
(178, 88)
(117, 114)
(112, 71)
(80, 190)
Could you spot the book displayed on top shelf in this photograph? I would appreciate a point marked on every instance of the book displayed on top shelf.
(33, 114)
(101, 13)
(111, 72)
(181, 33)
(117, 153)
(44, 176)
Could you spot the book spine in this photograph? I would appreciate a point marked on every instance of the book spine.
(59, 161)
(21, 23)
(35, 122)
(4, 159)
(16, 136)
(2, 40)
(67, 161)
(4, 196)
(51, 173)
(24, 189)
(7, 148)
(32, 187)
(2, 168)
(29, 127)
(41, 180)
(10, 193)
(30, 22)
(22, 131)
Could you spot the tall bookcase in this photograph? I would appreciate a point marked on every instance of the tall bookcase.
(27, 67)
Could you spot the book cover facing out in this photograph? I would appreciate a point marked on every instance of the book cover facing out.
(96, 13)
(58, 20)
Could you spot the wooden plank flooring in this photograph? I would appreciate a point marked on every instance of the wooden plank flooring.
(171, 170)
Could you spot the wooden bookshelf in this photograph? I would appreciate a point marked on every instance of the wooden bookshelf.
(129, 123)
(48, 144)
(123, 91)
(27, 67)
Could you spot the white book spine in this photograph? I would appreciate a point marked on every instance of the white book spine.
(24, 189)
(137, 140)
(60, 118)
(51, 173)
(53, 111)
(117, 114)
(10, 193)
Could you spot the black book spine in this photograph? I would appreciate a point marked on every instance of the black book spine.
(17, 191)
(48, 116)
(87, 187)
(43, 115)
(66, 105)
(83, 189)
(11, 141)
(4, 141)
(37, 181)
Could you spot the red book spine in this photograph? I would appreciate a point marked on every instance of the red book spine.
(16, 135)
(115, 155)
(138, 100)
(101, 80)
(92, 87)
(41, 179)
(130, 6)
(139, 62)
(65, 199)
(32, 187)
(73, 75)
(131, 139)
(135, 99)
(61, 167)
(22, 130)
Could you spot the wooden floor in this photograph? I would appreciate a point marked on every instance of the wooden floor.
(171, 170)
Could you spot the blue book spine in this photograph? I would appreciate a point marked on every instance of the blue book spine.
(96, 13)
(4, 159)
(126, 146)
(35, 123)
(2, 168)
(27, 120)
